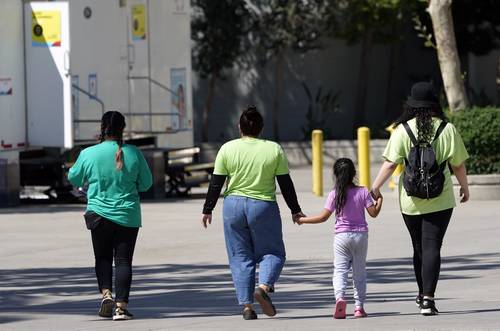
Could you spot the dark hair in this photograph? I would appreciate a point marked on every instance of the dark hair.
(112, 126)
(251, 122)
(424, 116)
(344, 172)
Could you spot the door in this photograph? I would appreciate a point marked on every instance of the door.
(139, 69)
(48, 78)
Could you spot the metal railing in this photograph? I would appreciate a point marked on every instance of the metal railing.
(92, 97)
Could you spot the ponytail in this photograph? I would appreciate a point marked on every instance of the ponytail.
(344, 172)
(119, 156)
(112, 126)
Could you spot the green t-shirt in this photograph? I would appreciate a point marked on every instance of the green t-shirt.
(251, 165)
(113, 193)
(448, 147)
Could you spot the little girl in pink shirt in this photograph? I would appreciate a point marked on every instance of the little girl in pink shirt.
(348, 202)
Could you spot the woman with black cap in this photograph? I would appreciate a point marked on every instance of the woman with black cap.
(115, 172)
(429, 147)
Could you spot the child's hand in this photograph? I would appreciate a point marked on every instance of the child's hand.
(300, 221)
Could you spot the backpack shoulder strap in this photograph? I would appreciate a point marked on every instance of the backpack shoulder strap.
(440, 130)
(410, 134)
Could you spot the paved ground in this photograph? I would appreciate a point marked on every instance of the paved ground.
(182, 282)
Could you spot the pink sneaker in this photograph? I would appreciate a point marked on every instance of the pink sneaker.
(359, 312)
(340, 307)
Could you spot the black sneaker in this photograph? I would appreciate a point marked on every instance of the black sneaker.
(122, 314)
(418, 301)
(428, 307)
(249, 314)
(107, 304)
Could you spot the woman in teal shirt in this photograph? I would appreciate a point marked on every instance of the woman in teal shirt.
(115, 172)
(426, 219)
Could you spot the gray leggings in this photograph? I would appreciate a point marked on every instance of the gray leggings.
(349, 250)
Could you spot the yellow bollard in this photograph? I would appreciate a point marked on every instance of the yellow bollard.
(399, 169)
(364, 156)
(317, 162)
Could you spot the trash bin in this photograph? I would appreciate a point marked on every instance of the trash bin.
(9, 183)
(156, 163)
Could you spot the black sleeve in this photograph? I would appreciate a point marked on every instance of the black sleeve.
(288, 192)
(216, 184)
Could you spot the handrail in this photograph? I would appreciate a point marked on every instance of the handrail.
(99, 101)
(154, 81)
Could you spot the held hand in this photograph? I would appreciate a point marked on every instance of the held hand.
(375, 192)
(464, 194)
(207, 218)
(297, 216)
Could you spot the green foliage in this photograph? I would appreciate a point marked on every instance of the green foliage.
(281, 25)
(217, 29)
(480, 130)
(351, 20)
(320, 108)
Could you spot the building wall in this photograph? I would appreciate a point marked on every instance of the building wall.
(333, 68)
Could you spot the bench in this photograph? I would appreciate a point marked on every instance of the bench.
(183, 171)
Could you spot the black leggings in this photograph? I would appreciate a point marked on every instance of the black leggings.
(427, 233)
(112, 240)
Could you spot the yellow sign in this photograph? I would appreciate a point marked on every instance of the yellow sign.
(138, 22)
(46, 28)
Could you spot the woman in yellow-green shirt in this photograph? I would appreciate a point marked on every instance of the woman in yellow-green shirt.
(426, 218)
(252, 221)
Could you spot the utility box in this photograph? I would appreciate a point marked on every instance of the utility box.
(12, 95)
(84, 57)
(64, 63)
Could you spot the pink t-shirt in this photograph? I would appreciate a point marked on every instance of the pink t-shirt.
(352, 218)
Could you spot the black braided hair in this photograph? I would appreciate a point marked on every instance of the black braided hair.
(424, 117)
(344, 172)
(112, 126)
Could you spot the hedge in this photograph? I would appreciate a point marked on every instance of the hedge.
(480, 130)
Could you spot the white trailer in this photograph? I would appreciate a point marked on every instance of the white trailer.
(83, 57)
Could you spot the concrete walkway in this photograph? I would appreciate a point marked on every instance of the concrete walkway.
(182, 282)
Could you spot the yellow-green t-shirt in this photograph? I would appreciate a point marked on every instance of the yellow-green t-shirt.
(251, 165)
(448, 147)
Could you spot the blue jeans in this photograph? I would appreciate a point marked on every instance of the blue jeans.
(252, 229)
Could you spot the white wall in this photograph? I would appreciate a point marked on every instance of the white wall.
(12, 107)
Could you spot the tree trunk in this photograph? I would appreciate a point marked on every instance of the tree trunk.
(449, 62)
(208, 106)
(363, 75)
(278, 77)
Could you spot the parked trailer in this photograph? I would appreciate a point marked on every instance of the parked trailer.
(81, 58)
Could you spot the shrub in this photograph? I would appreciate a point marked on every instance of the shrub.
(480, 130)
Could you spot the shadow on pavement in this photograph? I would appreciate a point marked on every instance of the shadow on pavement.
(190, 290)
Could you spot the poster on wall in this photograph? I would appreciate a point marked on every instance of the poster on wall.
(46, 28)
(178, 84)
(5, 86)
(138, 22)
